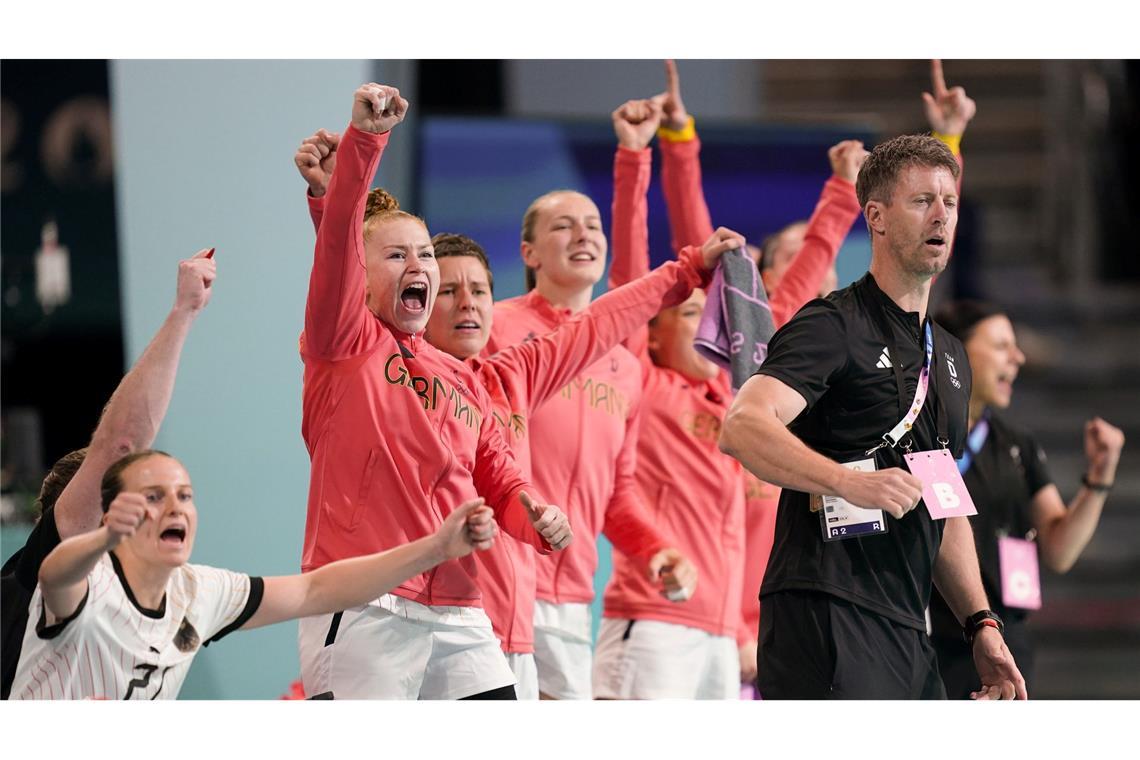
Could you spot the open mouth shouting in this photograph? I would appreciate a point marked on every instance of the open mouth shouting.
(173, 536)
(414, 297)
(1005, 381)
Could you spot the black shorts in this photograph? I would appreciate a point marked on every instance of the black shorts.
(817, 646)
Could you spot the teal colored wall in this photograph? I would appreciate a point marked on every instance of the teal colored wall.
(204, 153)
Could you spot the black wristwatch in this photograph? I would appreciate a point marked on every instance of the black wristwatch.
(1095, 487)
(980, 620)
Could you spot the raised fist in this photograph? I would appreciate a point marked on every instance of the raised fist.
(847, 158)
(1103, 443)
(195, 276)
(316, 160)
(126, 513)
(376, 108)
(635, 123)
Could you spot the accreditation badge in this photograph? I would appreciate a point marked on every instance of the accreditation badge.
(1020, 578)
(840, 519)
(943, 490)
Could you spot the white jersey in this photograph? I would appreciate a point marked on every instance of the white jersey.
(112, 648)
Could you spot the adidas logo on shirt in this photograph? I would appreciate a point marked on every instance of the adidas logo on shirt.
(884, 359)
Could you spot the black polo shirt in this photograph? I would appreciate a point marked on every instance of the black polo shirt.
(832, 352)
(1004, 476)
(18, 580)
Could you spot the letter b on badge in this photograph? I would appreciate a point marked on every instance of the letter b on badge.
(943, 491)
(947, 499)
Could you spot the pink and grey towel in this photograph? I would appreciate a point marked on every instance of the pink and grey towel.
(737, 322)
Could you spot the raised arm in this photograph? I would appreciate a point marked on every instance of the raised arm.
(948, 111)
(353, 582)
(689, 218)
(337, 323)
(836, 211)
(316, 161)
(1063, 533)
(132, 417)
(63, 574)
(634, 124)
(554, 359)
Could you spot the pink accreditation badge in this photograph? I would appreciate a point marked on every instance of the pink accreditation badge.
(1020, 579)
(943, 490)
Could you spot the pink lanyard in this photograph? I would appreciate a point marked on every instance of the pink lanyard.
(892, 437)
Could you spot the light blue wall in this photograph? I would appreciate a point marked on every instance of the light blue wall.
(204, 153)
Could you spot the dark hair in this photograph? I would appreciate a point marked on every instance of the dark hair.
(452, 244)
(880, 172)
(57, 479)
(959, 318)
(112, 484)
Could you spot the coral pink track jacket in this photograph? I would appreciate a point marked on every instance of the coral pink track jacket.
(521, 378)
(583, 447)
(836, 211)
(694, 492)
(399, 434)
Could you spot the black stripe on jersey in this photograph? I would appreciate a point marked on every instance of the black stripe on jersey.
(158, 614)
(45, 631)
(333, 628)
(252, 602)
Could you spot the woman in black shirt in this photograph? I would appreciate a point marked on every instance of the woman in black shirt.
(1020, 511)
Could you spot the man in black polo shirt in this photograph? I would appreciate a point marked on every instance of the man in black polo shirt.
(844, 615)
(69, 498)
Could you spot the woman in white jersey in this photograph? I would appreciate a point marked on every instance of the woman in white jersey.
(120, 612)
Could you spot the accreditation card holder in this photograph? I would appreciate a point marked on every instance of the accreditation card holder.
(840, 519)
(943, 490)
(1020, 578)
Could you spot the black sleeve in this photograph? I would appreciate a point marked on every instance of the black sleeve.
(44, 537)
(1036, 467)
(252, 602)
(809, 353)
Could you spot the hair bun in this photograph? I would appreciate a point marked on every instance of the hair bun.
(380, 201)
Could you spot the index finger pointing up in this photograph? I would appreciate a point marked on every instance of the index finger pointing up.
(672, 81)
(937, 80)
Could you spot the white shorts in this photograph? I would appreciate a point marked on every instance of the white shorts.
(562, 649)
(526, 674)
(394, 648)
(648, 659)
